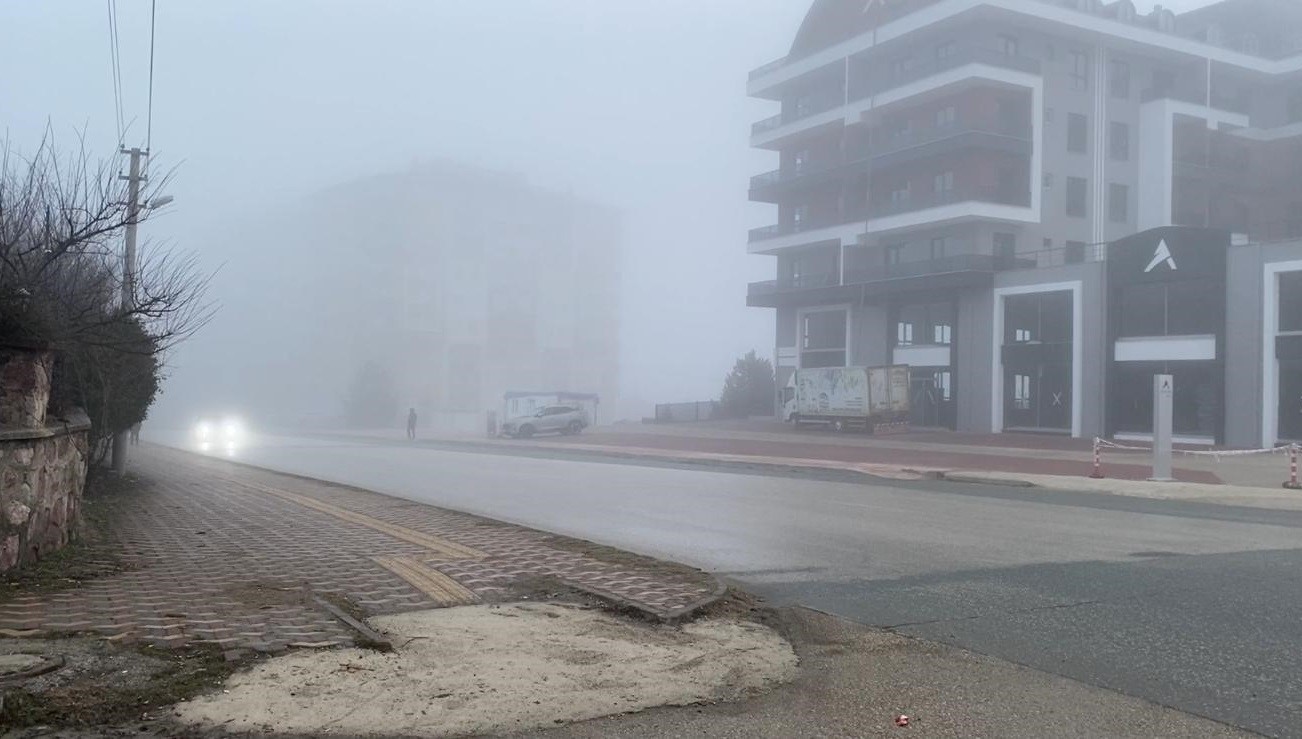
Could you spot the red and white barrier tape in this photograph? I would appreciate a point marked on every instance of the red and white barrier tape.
(1282, 449)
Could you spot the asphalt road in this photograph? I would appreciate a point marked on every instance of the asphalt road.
(1193, 606)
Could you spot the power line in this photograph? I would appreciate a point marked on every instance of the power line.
(115, 59)
(149, 115)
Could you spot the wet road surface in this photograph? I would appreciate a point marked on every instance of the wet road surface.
(1193, 606)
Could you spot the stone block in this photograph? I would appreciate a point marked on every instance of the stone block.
(16, 513)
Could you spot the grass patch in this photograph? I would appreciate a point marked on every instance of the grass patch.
(95, 698)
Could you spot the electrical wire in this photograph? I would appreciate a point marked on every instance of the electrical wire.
(149, 115)
(115, 58)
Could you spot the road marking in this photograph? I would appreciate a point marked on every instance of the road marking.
(433, 543)
(441, 588)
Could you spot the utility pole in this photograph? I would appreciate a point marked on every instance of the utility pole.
(134, 178)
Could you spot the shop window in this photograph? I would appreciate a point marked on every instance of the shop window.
(1038, 318)
(1170, 309)
(1143, 310)
(1290, 301)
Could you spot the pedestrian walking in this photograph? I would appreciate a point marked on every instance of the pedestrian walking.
(411, 424)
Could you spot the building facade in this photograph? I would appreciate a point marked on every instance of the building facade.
(981, 188)
(452, 283)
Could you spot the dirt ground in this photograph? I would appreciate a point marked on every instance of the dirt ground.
(491, 669)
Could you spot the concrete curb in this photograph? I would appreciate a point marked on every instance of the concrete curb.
(674, 617)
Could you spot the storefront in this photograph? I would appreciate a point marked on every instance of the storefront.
(1037, 361)
(1166, 315)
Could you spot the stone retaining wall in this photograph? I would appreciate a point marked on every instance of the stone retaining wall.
(42, 463)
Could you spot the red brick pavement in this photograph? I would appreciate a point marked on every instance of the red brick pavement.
(225, 554)
(1027, 463)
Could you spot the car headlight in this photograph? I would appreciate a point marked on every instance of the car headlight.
(202, 431)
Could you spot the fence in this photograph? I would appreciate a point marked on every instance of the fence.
(704, 410)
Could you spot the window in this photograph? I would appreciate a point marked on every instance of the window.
(903, 334)
(943, 184)
(939, 246)
(946, 116)
(946, 50)
(1118, 203)
(1006, 247)
(1077, 196)
(924, 323)
(1022, 392)
(895, 253)
(1119, 142)
(1074, 252)
(799, 216)
(804, 106)
(1077, 133)
(1170, 309)
(900, 197)
(1080, 70)
(941, 333)
(1048, 116)
(1290, 301)
(1119, 80)
(897, 127)
(800, 161)
(1008, 44)
(902, 67)
(1043, 318)
(823, 339)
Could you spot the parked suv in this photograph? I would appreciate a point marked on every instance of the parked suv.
(561, 419)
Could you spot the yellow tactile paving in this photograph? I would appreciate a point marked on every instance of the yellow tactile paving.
(433, 543)
(439, 587)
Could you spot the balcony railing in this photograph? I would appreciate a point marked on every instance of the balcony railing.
(954, 264)
(786, 229)
(782, 119)
(861, 153)
(877, 85)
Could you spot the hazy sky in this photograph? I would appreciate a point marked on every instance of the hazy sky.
(639, 104)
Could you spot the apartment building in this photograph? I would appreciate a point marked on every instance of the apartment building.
(982, 189)
(460, 283)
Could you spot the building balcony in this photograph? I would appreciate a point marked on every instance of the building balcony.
(953, 272)
(862, 87)
(892, 151)
(797, 114)
(869, 283)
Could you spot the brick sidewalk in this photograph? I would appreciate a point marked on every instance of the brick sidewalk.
(892, 452)
(235, 556)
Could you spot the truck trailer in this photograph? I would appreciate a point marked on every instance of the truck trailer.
(848, 398)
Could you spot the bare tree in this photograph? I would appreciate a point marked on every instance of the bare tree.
(61, 275)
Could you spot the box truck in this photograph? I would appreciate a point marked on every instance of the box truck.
(846, 398)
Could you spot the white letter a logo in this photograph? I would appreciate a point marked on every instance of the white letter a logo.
(1163, 254)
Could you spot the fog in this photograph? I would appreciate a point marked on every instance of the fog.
(633, 110)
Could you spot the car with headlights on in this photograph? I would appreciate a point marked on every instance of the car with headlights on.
(222, 435)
